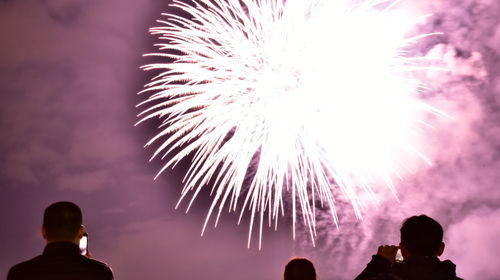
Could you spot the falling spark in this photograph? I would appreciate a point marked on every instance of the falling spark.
(314, 98)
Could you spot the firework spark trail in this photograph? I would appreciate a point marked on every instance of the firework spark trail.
(319, 93)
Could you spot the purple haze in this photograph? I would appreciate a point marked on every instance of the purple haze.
(69, 76)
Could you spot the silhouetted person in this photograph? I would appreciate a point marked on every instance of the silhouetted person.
(421, 245)
(61, 259)
(299, 269)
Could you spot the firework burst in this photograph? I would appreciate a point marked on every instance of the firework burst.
(278, 98)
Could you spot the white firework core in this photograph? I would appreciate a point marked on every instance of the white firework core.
(275, 98)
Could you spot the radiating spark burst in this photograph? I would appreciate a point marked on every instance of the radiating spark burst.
(315, 97)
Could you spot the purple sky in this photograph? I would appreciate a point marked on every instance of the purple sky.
(69, 73)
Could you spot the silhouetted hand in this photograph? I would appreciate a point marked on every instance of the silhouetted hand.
(88, 255)
(388, 252)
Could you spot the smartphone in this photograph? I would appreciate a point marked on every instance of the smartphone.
(399, 256)
(84, 244)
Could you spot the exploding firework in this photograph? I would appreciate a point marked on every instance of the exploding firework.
(285, 100)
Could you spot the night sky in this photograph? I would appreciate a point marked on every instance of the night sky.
(69, 77)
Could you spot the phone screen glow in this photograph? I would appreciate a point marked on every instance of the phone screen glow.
(399, 256)
(83, 245)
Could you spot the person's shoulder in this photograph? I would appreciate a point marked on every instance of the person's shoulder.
(27, 263)
(98, 266)
(94, 262)
(24, 266)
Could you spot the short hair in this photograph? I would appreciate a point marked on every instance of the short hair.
(299, 269)
(62, 220)
(421, 235)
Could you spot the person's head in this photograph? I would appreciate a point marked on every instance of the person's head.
(421, 236)
(62, 221)
(299, 269)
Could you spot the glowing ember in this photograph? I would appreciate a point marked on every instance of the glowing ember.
(312, 98)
